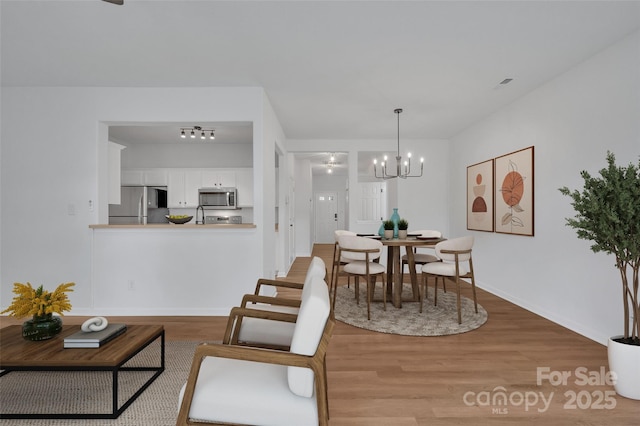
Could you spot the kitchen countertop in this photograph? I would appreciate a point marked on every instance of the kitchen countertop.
(174, 226)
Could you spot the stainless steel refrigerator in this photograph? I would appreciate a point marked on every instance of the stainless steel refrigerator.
(140, 205)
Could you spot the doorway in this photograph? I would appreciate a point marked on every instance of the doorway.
(326, 216)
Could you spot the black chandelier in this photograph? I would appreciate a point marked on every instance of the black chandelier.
(402, 170)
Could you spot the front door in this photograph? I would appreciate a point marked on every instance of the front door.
(326, 212)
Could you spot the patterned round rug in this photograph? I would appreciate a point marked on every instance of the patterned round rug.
(440, 320)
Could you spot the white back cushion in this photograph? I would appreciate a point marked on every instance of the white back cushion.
(359, 243)
(312, 317)
(317, 268)
(462, 243)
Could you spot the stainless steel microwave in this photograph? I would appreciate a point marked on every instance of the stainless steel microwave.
(218, 198)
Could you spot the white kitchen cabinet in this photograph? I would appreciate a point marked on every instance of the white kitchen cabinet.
(244, 183)
(218, 178)
(182, 186)
(155, 177)
(115, 177)
(132, 177)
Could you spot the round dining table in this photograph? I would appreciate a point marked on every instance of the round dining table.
(394, 266)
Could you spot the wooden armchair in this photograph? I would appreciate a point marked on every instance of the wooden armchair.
(243, 385)
(258, 330)
(316, 267)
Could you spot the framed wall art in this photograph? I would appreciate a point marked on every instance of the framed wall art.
(514, 193)
(480, 190)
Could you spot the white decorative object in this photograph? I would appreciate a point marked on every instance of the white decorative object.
(94, 324)
(624, 361)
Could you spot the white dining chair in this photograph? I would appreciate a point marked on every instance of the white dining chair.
(456, 263)
(361, 254)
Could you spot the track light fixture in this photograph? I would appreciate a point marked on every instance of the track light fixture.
(402, 170)
(204, 133)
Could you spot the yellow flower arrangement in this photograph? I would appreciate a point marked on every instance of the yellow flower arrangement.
(39, 302)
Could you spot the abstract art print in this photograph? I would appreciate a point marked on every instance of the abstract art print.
(480, 189)
(514, 193)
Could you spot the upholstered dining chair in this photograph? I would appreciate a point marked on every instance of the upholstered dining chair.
(337, 262)
(243, 385)
(361, 254)
(421, 258)
(456, 264)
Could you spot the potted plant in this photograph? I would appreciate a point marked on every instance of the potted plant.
(40, 305)
(403, 225)
(388, 229)
(608, 214)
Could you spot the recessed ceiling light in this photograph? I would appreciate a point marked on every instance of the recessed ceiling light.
(506, 81)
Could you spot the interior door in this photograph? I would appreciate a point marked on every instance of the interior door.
(326, 215)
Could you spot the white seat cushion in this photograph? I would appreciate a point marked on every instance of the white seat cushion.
(312, 318)
(359, 267)
(443, 268)
(243, 392)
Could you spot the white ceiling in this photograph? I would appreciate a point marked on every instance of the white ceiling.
(331, 69)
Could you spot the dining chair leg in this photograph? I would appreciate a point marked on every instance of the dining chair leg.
(369, 296)
(334, 285)
(423, 289)
(384, 293)
(357, 288)
(458, 301)
(435, 290)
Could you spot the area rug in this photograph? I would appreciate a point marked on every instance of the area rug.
(437, 320)
(77, 392)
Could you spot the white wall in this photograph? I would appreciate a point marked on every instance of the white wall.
(59, 165)
(424, 201)
(572, 121)
(303, 207)
(185, 155)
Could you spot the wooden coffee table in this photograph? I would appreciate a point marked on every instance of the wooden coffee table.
(17, 354)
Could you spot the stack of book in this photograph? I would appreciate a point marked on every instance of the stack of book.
(94, 339)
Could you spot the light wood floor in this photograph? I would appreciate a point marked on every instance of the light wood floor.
(378, 379)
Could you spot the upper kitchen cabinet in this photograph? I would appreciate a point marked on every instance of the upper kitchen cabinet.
(155, 178)
(244, 183)
(218, 179)
(182, 186)
(132, 177)
(114, 172)
(152, 177)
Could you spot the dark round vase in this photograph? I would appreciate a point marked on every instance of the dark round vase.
(41, 327)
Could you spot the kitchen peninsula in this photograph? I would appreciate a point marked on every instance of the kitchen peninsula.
(169, 269)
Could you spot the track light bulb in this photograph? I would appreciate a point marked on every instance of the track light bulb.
(182, 135)
(193, 135)
(212, 137)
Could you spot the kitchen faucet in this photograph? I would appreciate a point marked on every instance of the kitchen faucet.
(200, 208)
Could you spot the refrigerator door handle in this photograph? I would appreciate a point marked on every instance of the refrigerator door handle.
(140, 209)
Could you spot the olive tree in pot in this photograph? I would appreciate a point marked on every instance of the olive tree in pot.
(608, 214)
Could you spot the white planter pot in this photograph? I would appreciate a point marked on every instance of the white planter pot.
(624, 360)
